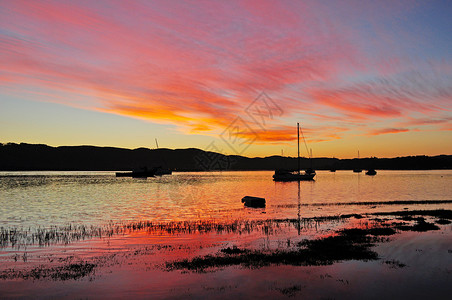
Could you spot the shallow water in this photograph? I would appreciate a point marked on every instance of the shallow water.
(128, 229)
(43, 199)
(133, 266)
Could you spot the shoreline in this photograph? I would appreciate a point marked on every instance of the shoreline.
(321, 243)
(42, 157)
(212, 171)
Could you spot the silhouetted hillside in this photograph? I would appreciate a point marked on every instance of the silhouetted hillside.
(29, 157)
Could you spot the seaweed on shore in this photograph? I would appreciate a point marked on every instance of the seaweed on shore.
(71, 233)
(347, 245)
(375, 231)
(71, 271)
(420, 226)
(443, 222)
(439, 213)
(394, 264)
(233, 250)
(289, 291)
(368, 203)
(66, 234)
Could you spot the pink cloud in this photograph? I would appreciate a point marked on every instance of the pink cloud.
(383, 98)
(200, 64)
(427, 121)
(387, 131)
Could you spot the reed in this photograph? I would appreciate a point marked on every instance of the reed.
(22, 237)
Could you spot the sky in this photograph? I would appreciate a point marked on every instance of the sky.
(229, 76)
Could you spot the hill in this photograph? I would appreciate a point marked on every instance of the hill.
(31, 157)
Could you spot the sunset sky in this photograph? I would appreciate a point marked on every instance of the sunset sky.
(229, 76)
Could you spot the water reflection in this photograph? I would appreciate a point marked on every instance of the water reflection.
(196, 221)
(299, 208)
(95, 198)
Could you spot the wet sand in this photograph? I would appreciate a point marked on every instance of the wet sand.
(396, 254)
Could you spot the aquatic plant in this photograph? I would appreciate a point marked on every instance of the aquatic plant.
(367, 203)
(346, 245)
(20, 237)
(65, 272)
(394, 264)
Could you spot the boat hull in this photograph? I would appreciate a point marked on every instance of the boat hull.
(135, 174)
(293, 177)
(161, 172)
(371, 172)
(255, 202)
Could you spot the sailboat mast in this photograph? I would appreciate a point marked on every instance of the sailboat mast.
(298, 144)
(311, 157)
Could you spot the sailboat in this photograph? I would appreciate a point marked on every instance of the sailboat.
(285, 175)
(161, 170)
(357, 170)
(143, 172)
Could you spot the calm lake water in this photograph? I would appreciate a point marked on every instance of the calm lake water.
(131, 263)
(32, 199)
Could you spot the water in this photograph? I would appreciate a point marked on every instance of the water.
(43, 199)
(129, 263)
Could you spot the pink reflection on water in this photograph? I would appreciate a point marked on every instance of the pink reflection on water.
(92, 198)
(133, 264)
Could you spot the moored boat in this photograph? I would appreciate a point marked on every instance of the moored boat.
(252, 201)
(159, 171)
(286, 175)
(162, 171)
(141, 173)
(371, 172)
(357, 170)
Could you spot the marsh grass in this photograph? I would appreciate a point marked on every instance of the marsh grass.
(348, 244)
(290, 291)
(20, 237)
(420, 226)
(368, 203)
(443, 222)
(70, 271)
(17, 237)
(394, 264)
(409, 214)
(342, 245)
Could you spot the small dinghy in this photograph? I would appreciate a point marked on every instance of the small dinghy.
(371, 172)
(251, 201)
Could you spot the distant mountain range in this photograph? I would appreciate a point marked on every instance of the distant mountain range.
(31, 157)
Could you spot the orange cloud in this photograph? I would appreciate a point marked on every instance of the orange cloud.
(200, 66)
(387, 130)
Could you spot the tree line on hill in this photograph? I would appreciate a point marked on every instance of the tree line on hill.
(34, 157)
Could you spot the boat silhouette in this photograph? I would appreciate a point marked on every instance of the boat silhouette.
(160, 170)
(251, 201)
(371, 172)
(143, 172)
(287, 175)
(357, 170)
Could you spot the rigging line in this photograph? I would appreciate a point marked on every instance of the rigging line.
(304, 140)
